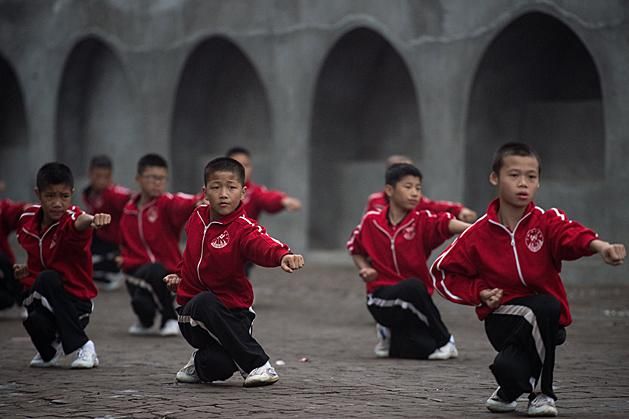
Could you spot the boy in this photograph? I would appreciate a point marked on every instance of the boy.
(378, 200)
(390, 248)
(10, 288)
(150, 229)
(258, 197)
(507, 265)
(103, 196)
(58, 273)
(215, 295)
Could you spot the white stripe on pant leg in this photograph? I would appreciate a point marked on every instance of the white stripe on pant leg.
(529, 316)
(139, 282)
(37, 296)
(194, 323)
(405, 305)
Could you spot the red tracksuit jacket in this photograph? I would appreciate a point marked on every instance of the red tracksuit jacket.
(378, 200)
(258, 198)
(110, 201)
(59, 248)
(524, 262)
(216, 253)
(399, 252)
(151, 235)
(9, 216)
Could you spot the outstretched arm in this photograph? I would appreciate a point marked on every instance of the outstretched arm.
(85, 221)
(457, 227)
(291, 262)
(612, 253)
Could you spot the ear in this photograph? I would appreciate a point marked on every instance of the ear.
(388, 190)
(37, 194)
(243, 193)
(493, 179)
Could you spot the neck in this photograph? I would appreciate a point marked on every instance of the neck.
(46, 222)
(396, 214)
(509, 215)
(144, 199)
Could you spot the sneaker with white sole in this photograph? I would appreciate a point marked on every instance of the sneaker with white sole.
(542, 405)
(384, 341)
(138, 330)
(38, 362)
(188, 374)
(170, 328)
(262, 376)
(497, 404)
(447, 351)
(86, 356)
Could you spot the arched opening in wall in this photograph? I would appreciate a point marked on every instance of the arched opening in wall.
(13, 137)
(220, 103)
(96, 112)
(537, 83)
(365, 108)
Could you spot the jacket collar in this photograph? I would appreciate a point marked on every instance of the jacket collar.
(205, 210)
(494, 207)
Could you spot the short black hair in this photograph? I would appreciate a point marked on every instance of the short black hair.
(151, 159)
(396, 172)
(224, 164)
(101, 161)
(238, 150)
(514, 149)
(54, 173)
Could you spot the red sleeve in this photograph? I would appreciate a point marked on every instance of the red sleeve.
(71, 235)
(455, 276)
(569, 239)
(11, 212)
(121, 196)
(262, 249)
(268, 200)
(180, 207)
(435, 228)
(453, 208)
(354, 244)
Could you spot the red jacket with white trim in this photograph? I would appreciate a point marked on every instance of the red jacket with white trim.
(258, 199)
(378, 200)
(9, 216)
(399, 252)
(60, 248)
(524, 262)
(110, 201)
(151, 234)
(215, 256)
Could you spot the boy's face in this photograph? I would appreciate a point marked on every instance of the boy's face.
(246, 162)
(406, 193)
(55, 201)
(152, 181)
(100, 178)
(518, 180)
(224, 192)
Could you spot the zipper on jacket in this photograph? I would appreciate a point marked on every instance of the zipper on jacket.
(392, 239)
(515, 251)
(141, 231)
(41, 242)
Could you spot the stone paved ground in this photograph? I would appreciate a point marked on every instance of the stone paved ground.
(319, 314)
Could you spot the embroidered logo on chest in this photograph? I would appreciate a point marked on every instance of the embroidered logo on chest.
(221, 241)
(534, 240)
(152, 214)
(409, 232)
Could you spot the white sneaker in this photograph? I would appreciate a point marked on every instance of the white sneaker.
(112, 282)
(170, 328)
(188, 374)
(38, 362)
(261, 376)
(447, 351)
(14, 313)
(139, 330)
(497, 405)
(542, 405)
(384, 341)
(86, 356)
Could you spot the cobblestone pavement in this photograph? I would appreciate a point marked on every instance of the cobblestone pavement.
(317, 314)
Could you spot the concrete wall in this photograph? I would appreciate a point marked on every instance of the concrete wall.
(321, 92)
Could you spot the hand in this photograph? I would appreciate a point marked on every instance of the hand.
(491, 298)
(118, 259)
(100, 220)
(172, 281)
(20, 270)
(467, 215)
(613, 254)
(368, 274)
(291, 263)
(291, 204)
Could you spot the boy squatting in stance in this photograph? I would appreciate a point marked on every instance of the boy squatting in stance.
(58, 274)
(390, 248)
(214, 292)
(507, 264)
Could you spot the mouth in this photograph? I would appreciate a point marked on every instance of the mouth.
(522, 195)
